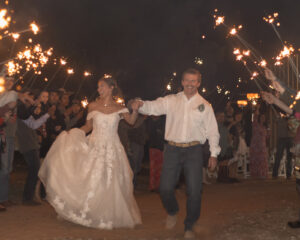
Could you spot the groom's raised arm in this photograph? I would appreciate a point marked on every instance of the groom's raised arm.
(156, 107)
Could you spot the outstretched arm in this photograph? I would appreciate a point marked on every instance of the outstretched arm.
(271, 99)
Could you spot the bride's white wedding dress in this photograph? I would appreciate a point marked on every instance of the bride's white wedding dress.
(88, 180)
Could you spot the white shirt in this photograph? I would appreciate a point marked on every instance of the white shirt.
(185, 122)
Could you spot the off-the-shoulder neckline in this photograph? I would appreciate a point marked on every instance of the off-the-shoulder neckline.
(107, 113)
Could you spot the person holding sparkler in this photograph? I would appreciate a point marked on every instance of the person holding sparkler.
(289, 103)
(88, 180)
(190, 120)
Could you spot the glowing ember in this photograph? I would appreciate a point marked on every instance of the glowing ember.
(86, 74)
(63, 61)
(107, 76)
(236, 51)
(84, 103)
(35, 29)
(70, 71)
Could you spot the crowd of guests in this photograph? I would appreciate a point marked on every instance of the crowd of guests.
(31, 121)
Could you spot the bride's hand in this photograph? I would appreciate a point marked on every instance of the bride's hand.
(136, 104)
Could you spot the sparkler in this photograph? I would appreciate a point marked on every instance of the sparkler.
(198, 61)
(35, 29)
(84, 103)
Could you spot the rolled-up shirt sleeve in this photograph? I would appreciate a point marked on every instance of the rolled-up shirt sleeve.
(212, 132)
(157, 107)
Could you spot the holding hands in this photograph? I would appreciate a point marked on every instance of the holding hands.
(135, 104)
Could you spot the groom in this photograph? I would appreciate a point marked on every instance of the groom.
(190, 120)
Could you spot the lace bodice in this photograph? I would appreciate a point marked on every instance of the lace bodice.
(105, 125)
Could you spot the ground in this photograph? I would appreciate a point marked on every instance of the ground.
(251, 209)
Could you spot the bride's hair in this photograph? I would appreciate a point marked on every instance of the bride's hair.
(111, 82)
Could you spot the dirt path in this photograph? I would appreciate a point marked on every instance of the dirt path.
(247, 210)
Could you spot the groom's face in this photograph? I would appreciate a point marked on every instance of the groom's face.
(190, 83)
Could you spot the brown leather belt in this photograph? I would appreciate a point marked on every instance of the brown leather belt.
(184, 145)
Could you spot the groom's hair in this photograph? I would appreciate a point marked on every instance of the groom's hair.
(194, 72)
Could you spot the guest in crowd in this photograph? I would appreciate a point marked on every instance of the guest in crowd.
(284, 143)
(156, 130)
(258, 147)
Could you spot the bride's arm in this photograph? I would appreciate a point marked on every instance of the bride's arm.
(131, 118)
(88, 126)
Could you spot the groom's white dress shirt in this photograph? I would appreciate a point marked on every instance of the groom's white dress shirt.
(187, 120)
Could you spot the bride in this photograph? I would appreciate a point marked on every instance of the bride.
(88, 179)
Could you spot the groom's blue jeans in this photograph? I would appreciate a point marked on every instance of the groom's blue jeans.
(190, 159)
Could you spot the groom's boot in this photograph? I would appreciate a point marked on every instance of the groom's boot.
(171, 221)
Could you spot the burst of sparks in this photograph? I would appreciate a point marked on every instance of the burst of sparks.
(272, 19)
(15, 36)
(254, 75)
(4, 20)
(169, 87)
(246, 52)
(227, 92)
(236, 51)
(219, 20)
(239, 57)
(84, 103)
(63, 61)
(120, 101)
(86, 74)
(107, 76)
(263, 63)
(219, 89)
(70, 71)
(198, 61)
(286, 52)
(233, 31)
(35, 29)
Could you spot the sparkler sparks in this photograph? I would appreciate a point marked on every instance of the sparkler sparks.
(107, 76)
(86, 74)
(219, 20)
(263, 63)
(84, 103)
(236, 51)
(15, 36)
(70, 71)
(272, 19)
(169, 87)
(4, 20)
(63, 61)
(35, 29)
(286, 52)
(198, 61)
(254, 75)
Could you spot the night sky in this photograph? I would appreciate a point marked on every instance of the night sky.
(142, 42)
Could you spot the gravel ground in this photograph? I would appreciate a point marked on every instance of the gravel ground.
(252, 209)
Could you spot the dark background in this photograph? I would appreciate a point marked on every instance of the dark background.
(142, 42)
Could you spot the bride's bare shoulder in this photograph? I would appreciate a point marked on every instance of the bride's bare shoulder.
(92, 106)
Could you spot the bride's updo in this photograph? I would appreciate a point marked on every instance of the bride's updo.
(111, 82)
